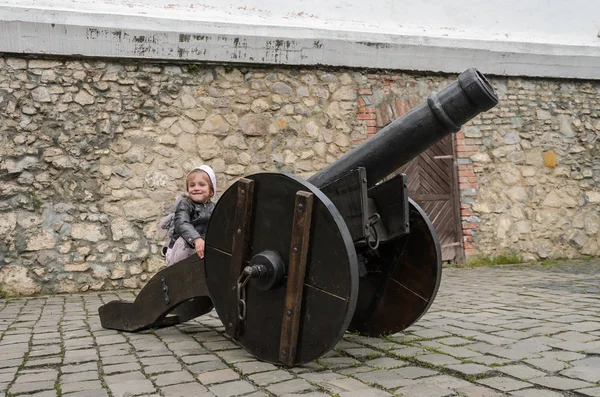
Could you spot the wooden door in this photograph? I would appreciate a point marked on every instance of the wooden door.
(433, 184)
(432, 176)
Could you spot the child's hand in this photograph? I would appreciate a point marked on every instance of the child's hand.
(199, 245)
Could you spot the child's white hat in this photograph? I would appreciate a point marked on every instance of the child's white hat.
(211, 174)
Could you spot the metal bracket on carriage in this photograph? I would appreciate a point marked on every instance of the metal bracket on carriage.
(389, 199)
(165, 290)
(374, 215)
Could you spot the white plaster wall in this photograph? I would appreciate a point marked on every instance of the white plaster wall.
(512, 37)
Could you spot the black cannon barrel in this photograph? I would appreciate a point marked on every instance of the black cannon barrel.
(406, 137)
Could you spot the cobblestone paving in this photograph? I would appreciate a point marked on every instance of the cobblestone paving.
(523, 331)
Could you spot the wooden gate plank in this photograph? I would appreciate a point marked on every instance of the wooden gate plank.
(432, 183)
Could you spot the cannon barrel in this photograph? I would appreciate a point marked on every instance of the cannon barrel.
(408, 136)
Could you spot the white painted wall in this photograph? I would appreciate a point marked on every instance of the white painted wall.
(554, 38)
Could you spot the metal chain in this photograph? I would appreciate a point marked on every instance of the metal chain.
(372, 226)
(242, 281)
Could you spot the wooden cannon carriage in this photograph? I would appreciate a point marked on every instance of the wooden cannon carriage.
(291, 265)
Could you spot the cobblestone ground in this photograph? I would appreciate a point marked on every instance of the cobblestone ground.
(517, 331)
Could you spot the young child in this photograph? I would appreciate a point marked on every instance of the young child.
(192, 215)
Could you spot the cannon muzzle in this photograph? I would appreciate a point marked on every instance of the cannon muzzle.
(406, 137)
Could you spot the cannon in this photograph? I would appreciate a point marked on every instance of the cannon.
(291, 265)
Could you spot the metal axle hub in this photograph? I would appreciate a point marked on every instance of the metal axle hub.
(267, 269)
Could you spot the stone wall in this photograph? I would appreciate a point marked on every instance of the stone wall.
(93, 153)
(530, 171)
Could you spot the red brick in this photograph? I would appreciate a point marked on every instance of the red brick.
(365, 91)
(387, 115)
(405, 107)
(379, 117)
(366, 116)
(466, 212)
(467, 148)
(371, 123)
(398, 109)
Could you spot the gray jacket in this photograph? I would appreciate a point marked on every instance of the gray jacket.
(191, 220)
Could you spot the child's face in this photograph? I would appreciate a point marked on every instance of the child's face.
(198, 187)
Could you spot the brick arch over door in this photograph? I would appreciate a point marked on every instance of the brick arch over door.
(432, 176)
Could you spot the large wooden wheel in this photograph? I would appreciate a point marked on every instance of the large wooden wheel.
(402, 280)
(304, 304)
